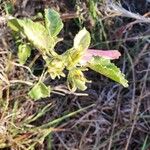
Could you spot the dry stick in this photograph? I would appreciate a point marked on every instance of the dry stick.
(3, 52)
(146, 95)
(119, 132)
(60, 139)
(19, 65)
(21, 81)
(115, 115)
(136, 61)
(134, 83)
(116, 134)
(33, 61)
(146, 46)
(143, 71)
(18, 96)
(125, 39)
(3, 78)
(59, 93)
(83, 117)
(61, 89)
(84, 135)
(117, 9)
(137, 110)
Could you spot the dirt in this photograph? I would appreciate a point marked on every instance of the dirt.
(109, 123)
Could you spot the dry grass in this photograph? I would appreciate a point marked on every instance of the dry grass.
(111, 117)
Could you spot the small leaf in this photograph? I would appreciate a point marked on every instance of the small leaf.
(76, 80)
(108, 69)
(24, 52)
(82, 39)
(56, 66)
(40, 90)
(81, 43)
(53, 22)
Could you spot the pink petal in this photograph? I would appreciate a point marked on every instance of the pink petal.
(109, 54)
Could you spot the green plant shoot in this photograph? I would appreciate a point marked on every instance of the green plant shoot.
(44, 37)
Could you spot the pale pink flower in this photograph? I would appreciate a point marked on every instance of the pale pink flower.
(108, 54)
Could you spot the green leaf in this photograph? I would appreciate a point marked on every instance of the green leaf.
(53, 22)
(40, 90)
(9, 8)
(108, 69)
(82, 40)
(73, 57)
(93, 10)
(24, 52)
(14, 25)
(36, 34)
(55, 66)
(81, 43)
(76, 80)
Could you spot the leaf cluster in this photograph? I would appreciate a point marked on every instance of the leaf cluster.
(44, 37)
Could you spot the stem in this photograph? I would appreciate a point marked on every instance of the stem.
(28, 68)
(21, 81)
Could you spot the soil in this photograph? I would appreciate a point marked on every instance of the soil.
(109, 122)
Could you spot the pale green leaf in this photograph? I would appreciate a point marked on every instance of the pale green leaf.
(24, 51)
(76, 80)
(14, 25)
(82, 40)
(36, 34)
(108, 69)
(80, 85)
(81, 43)
(40, 90)
(55, 66)
(73, 57)
(53, 22)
